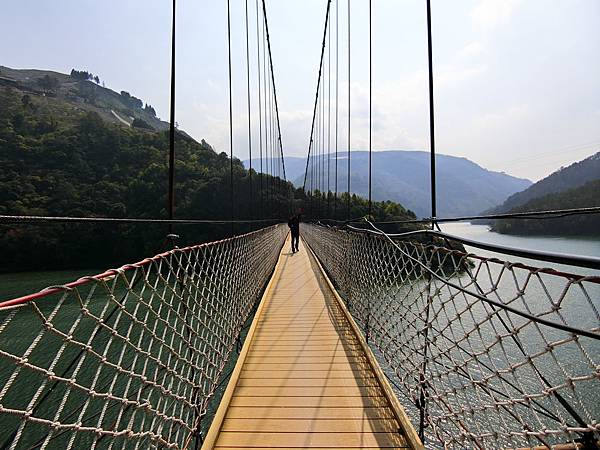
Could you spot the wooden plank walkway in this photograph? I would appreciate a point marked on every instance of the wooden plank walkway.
(305, 378)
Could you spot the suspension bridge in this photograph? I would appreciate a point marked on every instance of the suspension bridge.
(362, 339)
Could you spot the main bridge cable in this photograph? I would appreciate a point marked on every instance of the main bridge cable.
(312, 128)
(278, 138)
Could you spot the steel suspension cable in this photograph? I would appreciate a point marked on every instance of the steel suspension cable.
(312, 128)
(337, 45)
(319, 150)
(322, 130)
(171, 194)
(249, 114)
(260, 136)
(348, 173)
(323, 134)
(269, 160)
(329, 126)
(268, 181)
(316, 160)
(431, 115)
(278, 139)
(270, 144)
(370, 111)
(230, 115)
(272, 131)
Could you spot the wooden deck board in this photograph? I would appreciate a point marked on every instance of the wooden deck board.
(304, 379)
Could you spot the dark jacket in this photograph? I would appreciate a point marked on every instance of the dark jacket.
(294, 224)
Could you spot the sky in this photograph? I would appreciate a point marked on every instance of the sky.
(516, 82)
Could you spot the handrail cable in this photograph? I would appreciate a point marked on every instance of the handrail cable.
(312, 128)
(249, 115)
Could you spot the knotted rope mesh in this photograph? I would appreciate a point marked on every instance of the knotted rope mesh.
(469, 373)
(130, 359)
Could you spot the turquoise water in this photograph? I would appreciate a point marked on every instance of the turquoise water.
(557, 244)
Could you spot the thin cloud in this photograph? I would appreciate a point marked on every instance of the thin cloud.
(489, 14)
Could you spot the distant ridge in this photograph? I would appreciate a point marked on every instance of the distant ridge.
(566, 178)
(464, 187)
(584, 196)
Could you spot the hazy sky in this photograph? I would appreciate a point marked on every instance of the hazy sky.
(517, 82)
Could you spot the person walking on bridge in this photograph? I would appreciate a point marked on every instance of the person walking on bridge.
(294, 224)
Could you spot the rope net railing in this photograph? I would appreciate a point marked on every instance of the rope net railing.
(483, 352)
(129, 358)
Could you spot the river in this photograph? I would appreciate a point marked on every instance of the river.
(556, 244)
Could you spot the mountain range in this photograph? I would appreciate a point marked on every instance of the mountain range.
(463, 187)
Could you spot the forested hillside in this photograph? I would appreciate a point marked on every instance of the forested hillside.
(60, 160)
(575, 175)
(584, 196)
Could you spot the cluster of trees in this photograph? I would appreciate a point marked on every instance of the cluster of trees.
(584, 196)
(135, 103)
(140, 123)
(150, 110)
(83, 75)
(76, 164)
(131, 101)
(48, 83)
